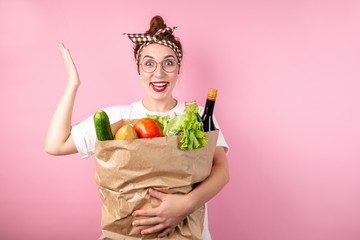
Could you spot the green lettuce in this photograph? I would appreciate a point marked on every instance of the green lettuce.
(186, 124)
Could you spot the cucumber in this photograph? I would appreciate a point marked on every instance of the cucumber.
(102, 126)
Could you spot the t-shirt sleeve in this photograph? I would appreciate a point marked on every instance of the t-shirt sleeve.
(84, 134)
(221, 142)
(84, 137)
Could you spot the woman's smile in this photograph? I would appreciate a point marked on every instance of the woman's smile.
(158, 82)
(159, 86)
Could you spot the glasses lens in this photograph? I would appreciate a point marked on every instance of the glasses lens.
(169, 65)
(149, 65)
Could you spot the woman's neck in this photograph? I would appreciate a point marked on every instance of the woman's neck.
(154, 105)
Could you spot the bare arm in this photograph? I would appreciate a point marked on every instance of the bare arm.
(217, 179)
(174, 208)
(58, 140)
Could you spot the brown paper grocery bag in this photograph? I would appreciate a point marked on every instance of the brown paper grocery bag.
(126, 169)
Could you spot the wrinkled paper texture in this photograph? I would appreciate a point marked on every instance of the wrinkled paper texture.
(126, 169)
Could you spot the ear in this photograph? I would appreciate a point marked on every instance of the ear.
(180, 66)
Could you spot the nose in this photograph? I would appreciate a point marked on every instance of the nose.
(159, 71)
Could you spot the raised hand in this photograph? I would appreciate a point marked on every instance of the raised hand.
(59, 140)
(72, 73)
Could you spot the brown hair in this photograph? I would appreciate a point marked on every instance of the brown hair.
(156, 23)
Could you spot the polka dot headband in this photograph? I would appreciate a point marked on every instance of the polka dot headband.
(145, 39)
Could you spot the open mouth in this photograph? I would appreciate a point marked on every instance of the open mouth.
(159, 86)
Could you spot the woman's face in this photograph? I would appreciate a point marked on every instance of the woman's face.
(158, 84)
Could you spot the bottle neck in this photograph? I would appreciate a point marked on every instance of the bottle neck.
(209, 107)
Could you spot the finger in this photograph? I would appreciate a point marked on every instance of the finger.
(64, 51)
(148, 221)
(61, 49)
(69, 55)
(165, 232)
(156, 194)
(156, 228)
(62, 44)
(151, 212)
(65, 54)
(59, 46)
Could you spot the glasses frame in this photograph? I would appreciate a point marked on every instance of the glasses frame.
(157, 63)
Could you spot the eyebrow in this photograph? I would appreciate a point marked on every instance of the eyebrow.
(167, 56)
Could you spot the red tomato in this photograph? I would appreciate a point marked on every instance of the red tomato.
(147, 128)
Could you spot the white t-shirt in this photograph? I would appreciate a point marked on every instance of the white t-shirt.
(84, 134)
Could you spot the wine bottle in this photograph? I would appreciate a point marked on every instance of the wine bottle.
(207, 117)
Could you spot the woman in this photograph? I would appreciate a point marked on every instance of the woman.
(158, 56)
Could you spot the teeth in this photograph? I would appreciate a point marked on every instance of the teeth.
(159, 84)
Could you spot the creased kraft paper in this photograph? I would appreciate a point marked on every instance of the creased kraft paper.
(126, 169)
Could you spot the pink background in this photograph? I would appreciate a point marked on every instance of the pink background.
(289, 105)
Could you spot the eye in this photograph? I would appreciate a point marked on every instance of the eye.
(169, 62)
(149, 63)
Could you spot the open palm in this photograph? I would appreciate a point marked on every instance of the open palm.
(72, 73)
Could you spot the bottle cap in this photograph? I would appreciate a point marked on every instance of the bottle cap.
(212, 94)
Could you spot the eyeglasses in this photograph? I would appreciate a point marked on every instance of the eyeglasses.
(150, 65)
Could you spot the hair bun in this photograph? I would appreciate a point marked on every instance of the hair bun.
(156, 23)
